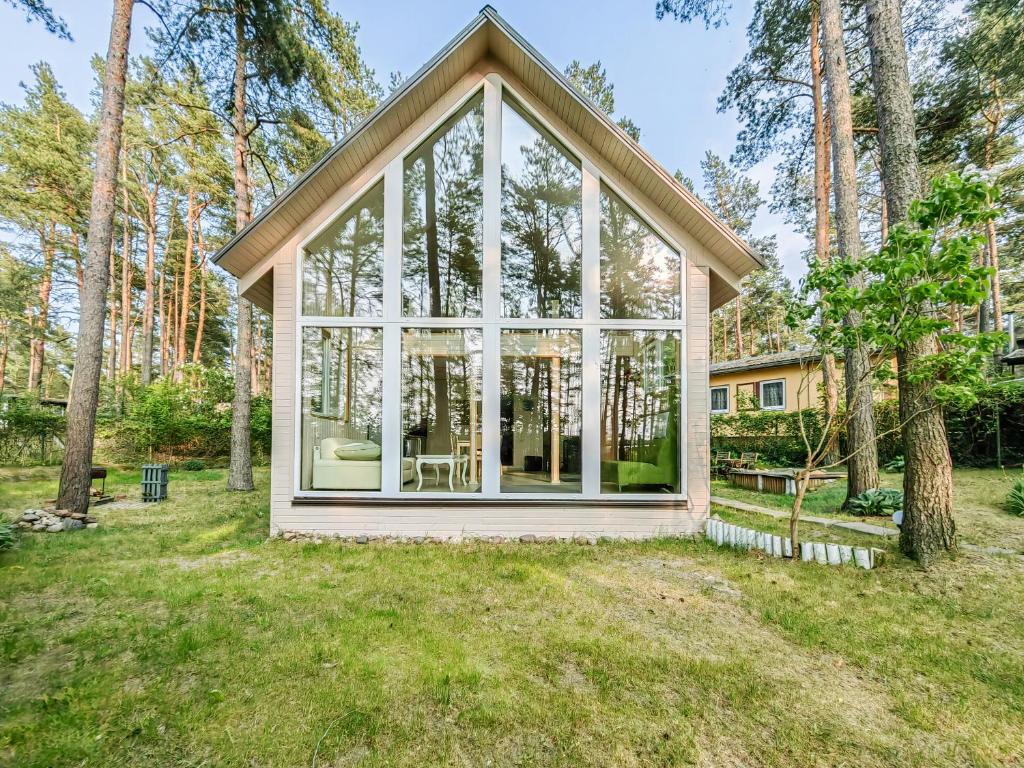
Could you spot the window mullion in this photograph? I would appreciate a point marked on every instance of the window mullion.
(491, 405)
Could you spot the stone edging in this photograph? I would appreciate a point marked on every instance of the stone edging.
(737, 537)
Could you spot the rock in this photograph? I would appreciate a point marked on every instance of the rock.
(89, 519)
(528, 538)
(289, 535)
(62, 512)
(77, 515)
(362, 539)
(419, 540)
(24, 524)
(92, 525)
(30, 516)
(589, 540)
(71, 524)
(55, 528)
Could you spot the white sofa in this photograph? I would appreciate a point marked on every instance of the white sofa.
(333, 474)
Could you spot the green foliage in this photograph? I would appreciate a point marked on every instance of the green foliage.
(1015, 499)
(913, 287)
(774, 435)
(8, 536)
(897, 464)
(191, 417)
(193, 465)
(877, 502)
(27, 429)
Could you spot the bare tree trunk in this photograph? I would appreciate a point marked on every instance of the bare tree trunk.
(862, 466)
(126, 283)
(148, 301)
(37, 346)
(240, 471)
(197, 345)
(76, 474)
(738, 321)
(928, 527)
(186, 286)
(163, 319)
(4, 352)
(112, 351)
(822, 223)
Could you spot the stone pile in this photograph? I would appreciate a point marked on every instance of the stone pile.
(54, 520)
(528, 538)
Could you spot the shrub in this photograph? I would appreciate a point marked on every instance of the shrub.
(193, 465)
(898, 464)
(877, 502)
(8, 536)
(27, 431)
(1015, 499)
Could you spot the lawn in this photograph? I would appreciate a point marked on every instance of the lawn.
(178, 635)
(979, 497)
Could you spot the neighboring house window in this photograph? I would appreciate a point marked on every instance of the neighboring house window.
(746, 397)
(719, 399)
(773, 395)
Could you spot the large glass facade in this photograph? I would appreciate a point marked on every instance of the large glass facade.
(640, 273)
(342, 378)
(541, 222)
(541, 411)
(442, 242)
(640, 410)
(343, 266)
(441, 385)
(500, 364)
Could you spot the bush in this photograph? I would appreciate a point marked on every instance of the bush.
(27, 431)
(1015, 499)
(896, 465)
(193, 465)
(877, 502)
(8, 536)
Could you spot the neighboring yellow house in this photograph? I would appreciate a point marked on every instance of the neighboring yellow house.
(782, 381)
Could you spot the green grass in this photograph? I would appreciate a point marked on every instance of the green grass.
(178, 635)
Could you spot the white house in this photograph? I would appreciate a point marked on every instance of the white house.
(490, 315)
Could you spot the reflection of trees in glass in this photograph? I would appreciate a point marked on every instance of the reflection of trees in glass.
(640, 401)
(541, 398)
(541, 231)
(342, 376)
(343, 267)
(442, 242)
(434, 407)
(640, 274)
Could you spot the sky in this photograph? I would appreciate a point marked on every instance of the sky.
(667, 75)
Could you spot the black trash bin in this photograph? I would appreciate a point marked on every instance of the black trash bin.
(154, 482)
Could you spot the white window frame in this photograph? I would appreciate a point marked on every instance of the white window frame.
(712, 399)
(491, 323)
(760, 395)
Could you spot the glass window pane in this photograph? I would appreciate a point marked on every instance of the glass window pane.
(342, 270)
(441, 439)
(342, 372)
(719, 399)
(773, 395)
(640, 274)
(640, 411)
(442, 243)
(541, 411)
(541, 222)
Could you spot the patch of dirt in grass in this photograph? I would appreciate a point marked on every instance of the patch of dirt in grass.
(228, 557)
(679, 605)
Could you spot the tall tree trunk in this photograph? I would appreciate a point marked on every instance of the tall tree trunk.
(5, 348)
(148, 302)
(197, 345)
(112, 350)
(163, 319)
(240, 471)
(738, 323)
(928, 526)
(186, 286)
(862, 465)
(76, 473)
(126, 282)
(40, 321)
(822, 223)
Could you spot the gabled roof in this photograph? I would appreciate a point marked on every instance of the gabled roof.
(797, 356)
(487, 35)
